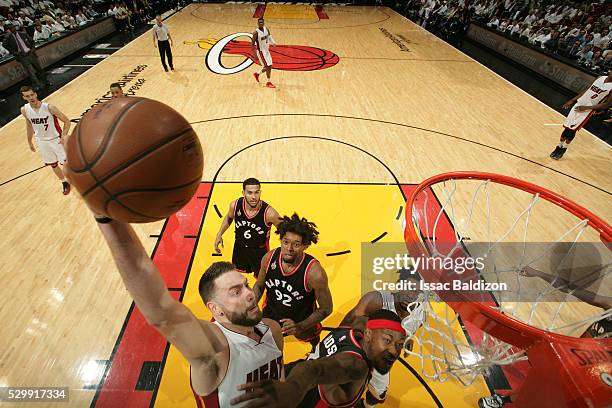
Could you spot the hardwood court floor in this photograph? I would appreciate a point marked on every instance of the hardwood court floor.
(380, 115)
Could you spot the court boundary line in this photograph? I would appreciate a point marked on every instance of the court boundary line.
(411, 127)
(381, 9)
(394, 124)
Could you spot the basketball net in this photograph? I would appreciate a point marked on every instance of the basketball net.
(541, 299)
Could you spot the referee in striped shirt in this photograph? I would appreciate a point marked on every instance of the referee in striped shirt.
(163, 40)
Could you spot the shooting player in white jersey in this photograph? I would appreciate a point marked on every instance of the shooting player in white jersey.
(42, 122)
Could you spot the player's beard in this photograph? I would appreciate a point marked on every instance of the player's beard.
(243, 319)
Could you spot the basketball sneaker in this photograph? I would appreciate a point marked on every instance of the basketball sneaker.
(494, 401)
(270, 85)
(256, 75)
(560, 153)
(65, 187)
(554, 152)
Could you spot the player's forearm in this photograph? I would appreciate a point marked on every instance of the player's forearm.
(140, 277)
(315, 317)
(310, 373)
(66, 128)
(224, 226)
(258, 292)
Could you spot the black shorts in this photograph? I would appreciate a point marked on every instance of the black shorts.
(568, 134)
(248, 259)
(601, 329)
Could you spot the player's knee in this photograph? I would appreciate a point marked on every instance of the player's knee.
(568, 134)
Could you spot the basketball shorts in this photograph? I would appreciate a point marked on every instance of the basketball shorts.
(601, 329)
(265, 57)
(248, 260)
(576, 120)
(51, 151)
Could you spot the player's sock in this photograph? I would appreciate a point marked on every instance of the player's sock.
(560, 144)
(65, 187)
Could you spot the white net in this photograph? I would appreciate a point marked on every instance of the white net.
(551, 266)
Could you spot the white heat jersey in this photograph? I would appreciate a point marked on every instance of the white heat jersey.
(263, 39)
(596, 92)
(249, 360)
(46, 125)
(387, 300)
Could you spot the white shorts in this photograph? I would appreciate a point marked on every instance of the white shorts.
(379, 384)
(51, 151)
(576, 120)
(265, 57)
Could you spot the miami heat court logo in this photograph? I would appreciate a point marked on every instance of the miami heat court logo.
(284, 57)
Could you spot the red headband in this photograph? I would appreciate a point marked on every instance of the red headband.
(385, 324)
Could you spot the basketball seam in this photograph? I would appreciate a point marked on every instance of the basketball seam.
(134, 160)
(102, 148)
(115, 198)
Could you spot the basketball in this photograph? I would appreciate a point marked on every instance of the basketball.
(134, 160)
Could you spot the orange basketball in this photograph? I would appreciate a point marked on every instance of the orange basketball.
(134, 160)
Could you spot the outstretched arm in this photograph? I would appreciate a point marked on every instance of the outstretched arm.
(358, 315)
(142, 279)
(340, 368)
(605, 302)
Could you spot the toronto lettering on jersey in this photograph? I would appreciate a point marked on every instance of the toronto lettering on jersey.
(272, 369)
(39, 121)
(281, 284)
(249, 224)
(123, 81)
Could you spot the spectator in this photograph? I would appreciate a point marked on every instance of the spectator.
(21, 46)
(24, 21)
(40, 34)
(81, 19)
(4, 52)
(585, 55)
(602, 40)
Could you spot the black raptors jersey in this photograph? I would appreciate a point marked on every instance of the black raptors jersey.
(340, 340)
(287, 295)
(251, 232)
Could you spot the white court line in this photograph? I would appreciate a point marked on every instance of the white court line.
(517, 87)
(553, 124)
(76, 65)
